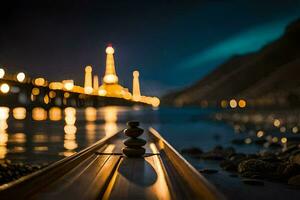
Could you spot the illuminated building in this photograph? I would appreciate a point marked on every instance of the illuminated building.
(68, 84)
(110, 80)
(88, 89)
(136, 93)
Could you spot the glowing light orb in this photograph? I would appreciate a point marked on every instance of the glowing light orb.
(19, 113)
(102, 92)
(110, 50)
(68, 84)
(110, 78)
(21, 76)
(2, 73)
(242, 103)
(88, 90)
(4, 88)
(40, 81)
(233, 103)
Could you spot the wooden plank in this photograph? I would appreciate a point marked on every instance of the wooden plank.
(187, 176)
(138, 178)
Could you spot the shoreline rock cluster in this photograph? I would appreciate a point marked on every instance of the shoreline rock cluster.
(12, 171)
(282, 165)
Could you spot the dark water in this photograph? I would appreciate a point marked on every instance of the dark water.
(49, 136)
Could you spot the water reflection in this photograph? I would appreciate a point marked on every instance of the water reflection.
(39, 114)
(70, 130)
(19, 113)
(110, 115)
(4, 114)
(55, 114)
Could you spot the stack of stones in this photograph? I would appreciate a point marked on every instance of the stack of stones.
(133, 143)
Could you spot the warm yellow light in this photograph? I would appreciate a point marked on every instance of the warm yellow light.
(52, 94)
(56, 86)
(242, 103)
(66, 95)
(35, 91)
(110, 78)
(155, 102)
(21, 76)
(4, 114)
(102, 92)
(55, 114)
(233, 103)
(70, 115)
(88, 90)
(276, 122)
(70, 131)
(46, 99)
(90, 114)
(68, 84)
(39, 114)
(19, 113)
(2, 73)
(223, 103)
(110, 50)
(260, 134)
(275, 139)
(40, 81)
(284, 140)
(4, 88)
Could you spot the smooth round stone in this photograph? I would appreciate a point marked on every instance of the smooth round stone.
(133, 132)
(133, 152)
(134, 142)
(133, 123)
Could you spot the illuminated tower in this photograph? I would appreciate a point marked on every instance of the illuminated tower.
(110, 76)
(96, 82)
(88, 89)
(110, 86)
(136, 93)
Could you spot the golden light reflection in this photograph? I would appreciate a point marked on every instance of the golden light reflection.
(90, 114)
(55, 114)
(17, 138)
(70, 129)
(260, 134)
(110, 115)
(39, 114)
(19, 113)
(4, 115)
(295, 129)
(52, 94)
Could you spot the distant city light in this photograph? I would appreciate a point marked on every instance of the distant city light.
(4, 88)
(242, 103)
(276, 122)
(40, 81)
(260, 134)
(224, 104)
(2, 73)
(295, 129)
(68, 84)
(21, 76)
(233, 103)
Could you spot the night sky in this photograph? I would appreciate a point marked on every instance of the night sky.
(171, 43)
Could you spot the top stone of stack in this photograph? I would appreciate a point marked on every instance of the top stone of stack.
(133, 124)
